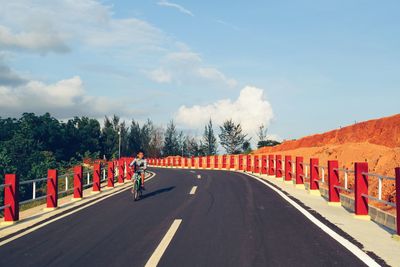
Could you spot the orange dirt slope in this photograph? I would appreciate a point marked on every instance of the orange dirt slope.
(375, 141)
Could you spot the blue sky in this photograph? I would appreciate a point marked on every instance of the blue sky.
(299, 67)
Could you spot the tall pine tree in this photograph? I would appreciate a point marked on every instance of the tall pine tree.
(209, 140)
(171, 141)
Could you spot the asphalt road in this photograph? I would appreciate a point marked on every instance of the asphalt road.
(231, 220)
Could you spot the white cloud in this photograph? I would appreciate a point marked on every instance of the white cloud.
(63, 99)
(55, 26)
(216, 75)
(185, 67)
(222, 22)
(160, 76)
(176, 6)
(41, 42)
(251, 109)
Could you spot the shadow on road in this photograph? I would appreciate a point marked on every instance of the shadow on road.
(159, 191)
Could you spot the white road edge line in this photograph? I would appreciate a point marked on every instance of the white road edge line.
(158, 253)
(193, 191)
(198, 176)
(341, 240)
(65, 215)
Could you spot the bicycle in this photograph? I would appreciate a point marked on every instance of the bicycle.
(137, 186)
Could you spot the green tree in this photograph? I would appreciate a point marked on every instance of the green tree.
(109, 138)
(171, 141)
(232, 137)
(134, 137)
(209, 140)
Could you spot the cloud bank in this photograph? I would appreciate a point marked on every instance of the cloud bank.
(251, 109)
(64, 99)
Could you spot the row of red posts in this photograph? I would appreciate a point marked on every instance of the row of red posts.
(11, 185)
(274, 165)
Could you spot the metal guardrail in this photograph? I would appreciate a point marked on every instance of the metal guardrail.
(33, 182)
(4, 207)
(346, 179)
(380, 186)
(66, 190)
(322, 176)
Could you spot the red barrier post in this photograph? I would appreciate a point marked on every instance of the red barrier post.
(256, 164)
(11, 199)
(129, 171)
(288, 169)
(241, 167)
(216, 163)
(224, 162)
(361, 189)
(248, 163)
(96, 178)
(208, 162)
(278, 163)
(264, 169)
(192, 163)
(110, 174)
(299, 172)
(271, 168)
(333, 181)
(231, 162)
(314, 176)
(397, 184)
(121, 170)
(52, 190)
(78, 185)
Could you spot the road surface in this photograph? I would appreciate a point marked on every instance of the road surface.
(228, 220)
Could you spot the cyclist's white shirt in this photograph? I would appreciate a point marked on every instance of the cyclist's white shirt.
(141, 163)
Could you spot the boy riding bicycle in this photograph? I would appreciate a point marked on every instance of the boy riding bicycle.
(140, 165)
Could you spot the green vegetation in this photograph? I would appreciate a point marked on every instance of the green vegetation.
(32, 144)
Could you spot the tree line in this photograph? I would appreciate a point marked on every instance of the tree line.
(32, 144)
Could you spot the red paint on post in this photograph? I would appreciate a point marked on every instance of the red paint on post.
(96, 177)
(121, 170)
(314, 174)
(299, 170)
(52, 189)
(333, 181)
(288, 168)
(397, 184)
(256, 164)
(11, 198)
(248, 163)
(192, 163)
(224, 165)
(271, 168)
(216, 162)
(361, 188)
(110, 174)
(208, 162)
(241, 167)
(278, 162)
(264, 169)
(78, 186)
(231, 162)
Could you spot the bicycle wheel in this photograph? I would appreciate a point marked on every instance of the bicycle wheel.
(136, 191)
